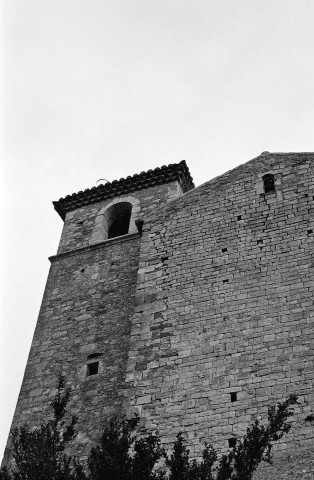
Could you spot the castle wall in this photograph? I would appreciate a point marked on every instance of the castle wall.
(86, 309)
(216, 298)
(224, 304)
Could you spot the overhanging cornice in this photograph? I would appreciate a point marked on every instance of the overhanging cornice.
(160, 175)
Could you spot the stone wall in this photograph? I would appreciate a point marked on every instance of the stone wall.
(225, 306)
(81, 226)
(86, 310)
(200, 324)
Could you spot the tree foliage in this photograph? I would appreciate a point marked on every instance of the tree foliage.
(120, 456)
(256, 445)
(40, 454)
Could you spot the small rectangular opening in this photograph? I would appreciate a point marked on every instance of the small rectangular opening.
(232, 442)
(310, 231)
(306, 195)
(269, 183)
(226, 280)
(239, 217)
(233, 396)
(259, 241)
(92, 368)
(224, 250)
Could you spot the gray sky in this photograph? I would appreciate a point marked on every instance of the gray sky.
(103, 89)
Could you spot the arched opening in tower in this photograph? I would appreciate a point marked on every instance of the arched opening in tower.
(119, 219)
(269, 183)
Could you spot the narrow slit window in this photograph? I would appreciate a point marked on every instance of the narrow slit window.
(269, 183)
(232, 442)
(233, 397)
(92, 368)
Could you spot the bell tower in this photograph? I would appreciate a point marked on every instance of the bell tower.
(84, 325)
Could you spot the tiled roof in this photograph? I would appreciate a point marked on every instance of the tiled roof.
(158, 176)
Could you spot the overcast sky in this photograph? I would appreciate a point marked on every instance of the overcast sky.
(103, 89)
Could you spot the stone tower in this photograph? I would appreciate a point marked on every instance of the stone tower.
(191, 306)
(84, 324)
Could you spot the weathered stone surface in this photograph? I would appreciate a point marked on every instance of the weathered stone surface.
(86, 309)
(215, 298)
(235, 295)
